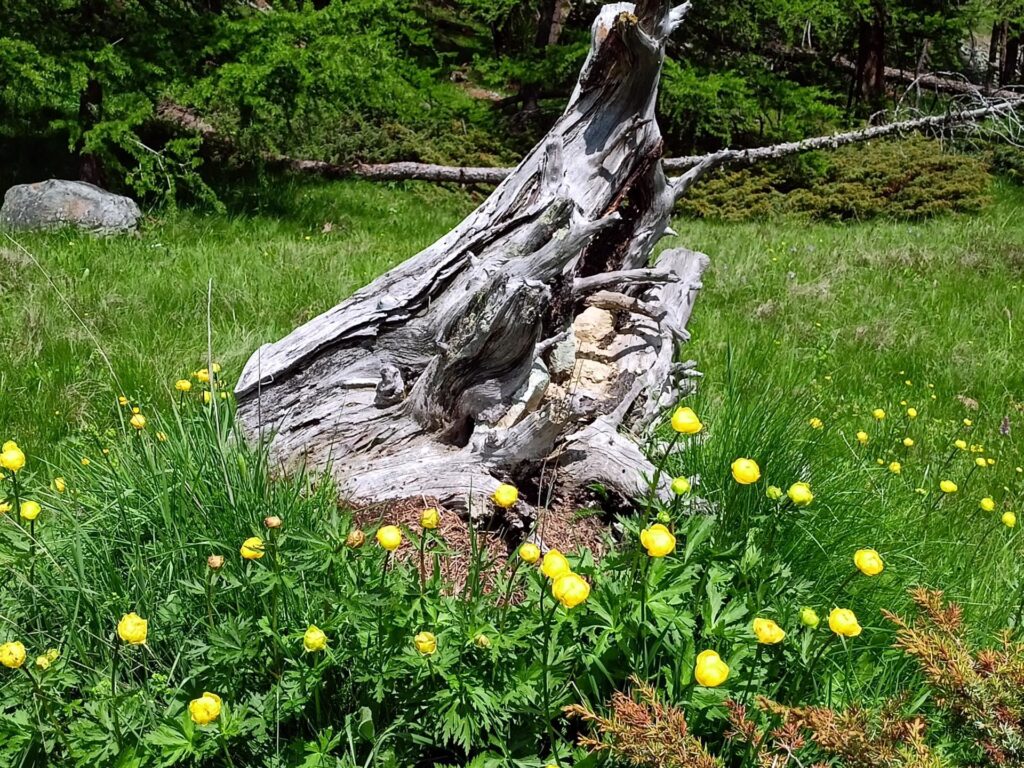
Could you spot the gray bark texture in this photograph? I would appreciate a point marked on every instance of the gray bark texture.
(536, 343)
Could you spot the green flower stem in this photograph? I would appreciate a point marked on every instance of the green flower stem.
(508, 594)
(546, 661)
(662, 463)
(753, 670)
(224, 746)
(114, 659)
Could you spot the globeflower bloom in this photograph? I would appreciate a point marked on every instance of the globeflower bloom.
(980, 461)
(686, 422)
(554, 564)
(908, 442)
(314, 639)
(800, 494)
(911, 413)
(202, 375)
(895, 467)
(879, 414)
(809, 617)
(1009, 519)
(658, 540)
(529, 552)
(947, 486)
(570, 589)
(426, 643)
(12, 655)
(205, 709)
(138, 421)
(768, 632)
(680, 486)
(816, 423)
(988, 504)
(30, 510)
(745, 471)
(183, 385)
(868, 562)
(252, 548)
(844, 622)
(773, 492)
(961, 444)
(389, 537)
(59, 485)
(430, 518)
(132, 629)
(710, 671)
(505, 495)
(12, 458)
(862, 437)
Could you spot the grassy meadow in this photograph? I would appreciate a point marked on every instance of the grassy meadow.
(802, 331)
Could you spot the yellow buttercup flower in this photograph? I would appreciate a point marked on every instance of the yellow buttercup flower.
(570, 589)
(430, 518)
(530, 552)
(505, 495)
(988, 504)
(12, 655)
(314, 639)
(800, 494)
(30, 510)
(205, 709)
(879, 414)
(745, 471)
(183, 385)
(868, 562)
(773, 492)
(816, 423)
(59, 485)
(710, 670)
(908, 442)
(895, 467)
(425, 643)
(768, 632)
(389, 537)
(658, 540)
(252, 548)
(680, 486)
(844, 622)
(947, 486)
(911, 413)
(961, 444)
(554, 564)
(809, 617)
(12, 458)
(1009, 519)
(862, 437)
(686, 422)
(138, 421)
(132, 629)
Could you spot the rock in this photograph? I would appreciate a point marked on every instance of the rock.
(57, 203)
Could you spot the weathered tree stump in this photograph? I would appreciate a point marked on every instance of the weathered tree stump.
(535, 343)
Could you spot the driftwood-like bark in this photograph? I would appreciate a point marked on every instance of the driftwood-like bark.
(533, 339)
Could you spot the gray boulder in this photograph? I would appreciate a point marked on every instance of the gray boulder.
(56, 203)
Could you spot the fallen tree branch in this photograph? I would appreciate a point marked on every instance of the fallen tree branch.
(944, 83)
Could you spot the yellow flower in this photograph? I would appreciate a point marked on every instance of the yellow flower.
(482, 641)
(991, 462)
(908, 442)
(132, 628)
(205, 709)
(909, 383)
(947, 486)
(426, 643)
(1009, 519)
(42, 662)
(216, 367)
(843, 622)
(816, 423)
(12, 458)
(529, 552)
(710, 671)
(570, 589)
(252, 548)
(773, 492)
(658, 540)
(961, 444)
(745, 471)
(10, 445)
(207, 397)
(52, 655)
(868, 562)
(30, 510)
(122, 400)
(505, 495)
(314, 639)
(680, 485)
(980, 461)
(183, 385)
(389, 537)
(879, 414)
(988, 504)
(202, 375)
(686, 422)
(809, 617)
(5, 507)
(862, 437)
(138, 421)
(800, 494)
(85, 461)
(968, 423)
(59, 485)
(768, 632)
(161, 436)
(554, 564)
(355, 539)
(12, 655)
(430, 518)
(912, 413)
(895, 467)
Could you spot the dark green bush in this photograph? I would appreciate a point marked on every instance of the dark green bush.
(907, 179)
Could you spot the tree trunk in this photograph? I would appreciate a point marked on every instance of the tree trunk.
(90, 105)
(1011, 56)
(871, 58)
(533, 343)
